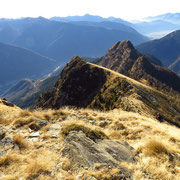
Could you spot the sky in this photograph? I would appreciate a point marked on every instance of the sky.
(125, 9)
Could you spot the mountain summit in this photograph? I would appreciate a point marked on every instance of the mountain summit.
(120, 57)
(124, 58)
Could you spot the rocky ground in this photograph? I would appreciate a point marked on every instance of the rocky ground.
(85, 144)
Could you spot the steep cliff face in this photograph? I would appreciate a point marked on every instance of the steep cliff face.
(125, 59)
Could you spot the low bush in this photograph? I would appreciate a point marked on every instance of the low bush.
(93, 134)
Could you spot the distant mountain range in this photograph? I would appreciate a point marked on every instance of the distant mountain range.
(91, 18)
(63, 40)
(50, 39)
(17, 63)
(153, 27)
(166, 49)
(168, 17)
(86, 36)
(156, 28)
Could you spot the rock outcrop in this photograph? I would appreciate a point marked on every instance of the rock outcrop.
(83, 152)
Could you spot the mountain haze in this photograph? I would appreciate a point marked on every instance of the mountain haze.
(63, 40)
(90, 18)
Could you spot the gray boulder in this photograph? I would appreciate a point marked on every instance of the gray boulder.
(84, 152)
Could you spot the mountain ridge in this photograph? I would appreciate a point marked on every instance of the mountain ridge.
(125, 59)
(166, 49)
(113, 90)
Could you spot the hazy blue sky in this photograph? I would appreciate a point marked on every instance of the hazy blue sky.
(125, 9)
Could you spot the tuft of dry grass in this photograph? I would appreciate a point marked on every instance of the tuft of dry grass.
(23, 121)
(8, 159)
(21, 142)
(91, 133)
(118, 126)
(40, 165)
(66, 165)
(155, 147)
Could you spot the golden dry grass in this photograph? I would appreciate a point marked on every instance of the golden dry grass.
(21, 142)
(157, 144)
(154, 147)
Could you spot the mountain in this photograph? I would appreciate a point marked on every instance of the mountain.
(63, 40)
(168, 17)
(26, 91)
(125, 59)
(165, 49)
(155, 29)
(90, 18)
(175, 66)
(107, 25)
(159, 26)
(104, 89)
(17, 63)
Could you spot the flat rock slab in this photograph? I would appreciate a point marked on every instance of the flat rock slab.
(84, 152)
(54, 130)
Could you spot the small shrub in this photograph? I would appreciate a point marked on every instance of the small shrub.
(155, 147)
(21, 142)
(92, 134)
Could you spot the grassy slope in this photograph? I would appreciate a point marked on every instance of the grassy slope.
(157, 144)
(128, 94)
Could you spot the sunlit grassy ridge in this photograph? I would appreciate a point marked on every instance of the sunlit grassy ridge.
(157, 144)
(83, 84)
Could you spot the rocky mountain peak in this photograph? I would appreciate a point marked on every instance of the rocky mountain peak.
(122, 47)
(120, 57)
(125, 59)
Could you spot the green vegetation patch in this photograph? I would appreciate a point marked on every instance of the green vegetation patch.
(92, 134)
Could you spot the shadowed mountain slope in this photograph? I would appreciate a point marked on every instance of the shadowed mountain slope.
(25, 92)
(17, 63)
(175, 66)
(166, 49)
